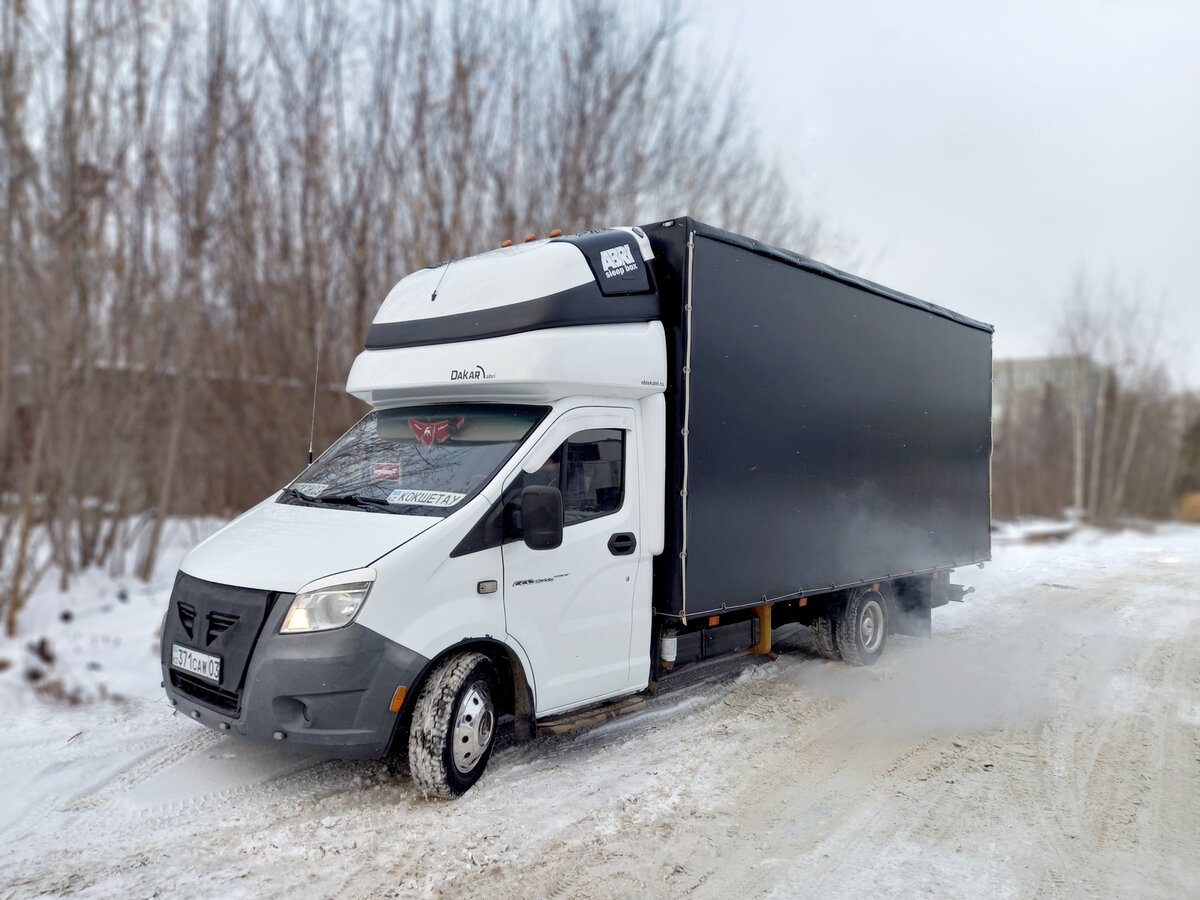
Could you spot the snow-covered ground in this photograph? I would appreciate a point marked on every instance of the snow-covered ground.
(1046, 741)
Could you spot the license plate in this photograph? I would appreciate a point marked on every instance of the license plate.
(205, 665)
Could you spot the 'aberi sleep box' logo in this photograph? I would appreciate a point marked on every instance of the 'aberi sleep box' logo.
(617, 261)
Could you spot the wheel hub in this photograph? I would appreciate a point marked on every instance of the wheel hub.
(871, 625)
(473, 725)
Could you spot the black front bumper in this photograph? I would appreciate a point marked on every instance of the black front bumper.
(328, 692)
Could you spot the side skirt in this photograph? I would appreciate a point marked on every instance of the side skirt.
(592, 715)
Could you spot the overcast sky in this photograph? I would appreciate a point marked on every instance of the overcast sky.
(979, 155)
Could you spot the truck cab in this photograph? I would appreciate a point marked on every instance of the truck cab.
(480, 543)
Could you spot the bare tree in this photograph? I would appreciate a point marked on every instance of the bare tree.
(195, 195)
(193, 183)
(1122, 334)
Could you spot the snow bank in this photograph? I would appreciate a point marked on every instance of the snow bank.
(98, 640)
(992, 760)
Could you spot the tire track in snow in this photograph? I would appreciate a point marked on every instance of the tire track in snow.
(144, 765)
(957, 767)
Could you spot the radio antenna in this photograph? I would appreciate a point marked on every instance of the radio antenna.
(312, 427)
(442, 278)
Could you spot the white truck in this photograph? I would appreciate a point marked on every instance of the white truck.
(588, 461)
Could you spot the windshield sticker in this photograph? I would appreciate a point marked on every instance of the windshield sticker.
(424, 498)
(430, 433)
(309, 488)
(385, 471)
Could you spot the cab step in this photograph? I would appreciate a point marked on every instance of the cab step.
(593, 715)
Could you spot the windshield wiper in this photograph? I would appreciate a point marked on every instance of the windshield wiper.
(293, 494)
(356, 500)
(370, 503)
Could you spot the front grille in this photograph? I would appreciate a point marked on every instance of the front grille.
(220, 620)
(187, 617)
(208, 694)
(219, 623)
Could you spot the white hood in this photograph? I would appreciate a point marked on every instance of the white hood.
(281, 547)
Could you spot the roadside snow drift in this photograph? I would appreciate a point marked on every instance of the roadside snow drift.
(1045, 741)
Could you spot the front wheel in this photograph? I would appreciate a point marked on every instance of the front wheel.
(862, 627)
(453, 726)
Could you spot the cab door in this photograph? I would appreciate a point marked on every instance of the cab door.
(572, 609)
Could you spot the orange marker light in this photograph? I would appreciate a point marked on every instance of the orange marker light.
(398, 698)
(529, 237)
(713, 620)
(556, 232)
(506, 244)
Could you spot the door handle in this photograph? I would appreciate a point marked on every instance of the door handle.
(622, 544)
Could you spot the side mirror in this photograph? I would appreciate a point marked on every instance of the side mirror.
(542, 517)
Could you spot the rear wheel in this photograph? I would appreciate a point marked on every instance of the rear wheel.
(453, 726)
(861, 629)
(823, 630)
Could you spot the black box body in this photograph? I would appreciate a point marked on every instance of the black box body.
(824, 431)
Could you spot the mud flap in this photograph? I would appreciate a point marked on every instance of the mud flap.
(917, 622)
(909, 605)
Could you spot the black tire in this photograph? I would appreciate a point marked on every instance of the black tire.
(862, 627)
(453, 726)
(823, 632)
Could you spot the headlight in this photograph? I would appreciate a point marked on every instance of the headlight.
(328, 602)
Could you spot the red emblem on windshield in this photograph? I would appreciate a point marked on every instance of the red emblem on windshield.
(430, 433)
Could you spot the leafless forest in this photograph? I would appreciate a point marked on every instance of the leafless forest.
(199, 200)
(1099, 429)
(198, 197)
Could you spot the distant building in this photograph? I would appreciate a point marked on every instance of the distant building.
(1039, 442)
(1068, 434)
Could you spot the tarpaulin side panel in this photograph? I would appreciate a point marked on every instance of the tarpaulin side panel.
(836, 434)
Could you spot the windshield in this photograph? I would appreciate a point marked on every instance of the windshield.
(417, 460)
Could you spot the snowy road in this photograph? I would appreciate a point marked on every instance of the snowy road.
(1045, 742)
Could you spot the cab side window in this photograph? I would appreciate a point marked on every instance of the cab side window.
(593, 474)
(589, 470)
